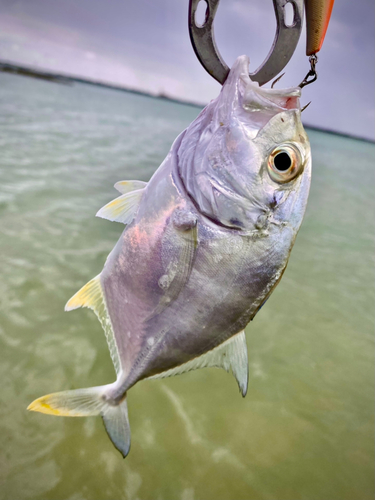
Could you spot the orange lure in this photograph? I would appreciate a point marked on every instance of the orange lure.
(318, 13)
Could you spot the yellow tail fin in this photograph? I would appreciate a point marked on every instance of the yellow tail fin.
(87, 402)
(77, 403)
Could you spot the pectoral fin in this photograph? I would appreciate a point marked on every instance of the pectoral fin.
(180, 267)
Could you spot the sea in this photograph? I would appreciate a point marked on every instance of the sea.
(305, 430)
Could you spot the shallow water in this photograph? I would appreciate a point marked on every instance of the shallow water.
(305, 431)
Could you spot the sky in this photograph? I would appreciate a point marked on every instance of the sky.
(145, 45)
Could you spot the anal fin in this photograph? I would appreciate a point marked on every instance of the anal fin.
(91, 296)
(230, 355)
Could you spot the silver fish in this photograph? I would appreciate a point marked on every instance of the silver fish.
(207, 240)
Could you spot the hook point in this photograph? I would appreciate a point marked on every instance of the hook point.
(308, 104)
(277, 79)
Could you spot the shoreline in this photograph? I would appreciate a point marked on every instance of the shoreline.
(22, 70)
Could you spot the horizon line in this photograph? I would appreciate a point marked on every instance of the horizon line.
(68, 79)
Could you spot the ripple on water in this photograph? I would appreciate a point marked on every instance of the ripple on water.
(305, 429)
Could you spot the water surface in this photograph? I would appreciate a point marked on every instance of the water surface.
(305, 431)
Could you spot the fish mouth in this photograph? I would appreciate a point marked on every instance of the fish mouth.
(241, 98)
(256, 98)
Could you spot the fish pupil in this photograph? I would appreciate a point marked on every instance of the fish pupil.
(282, 162)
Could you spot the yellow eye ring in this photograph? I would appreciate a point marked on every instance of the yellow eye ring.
(284, 163)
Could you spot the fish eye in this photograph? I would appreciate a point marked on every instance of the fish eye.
(284, 163)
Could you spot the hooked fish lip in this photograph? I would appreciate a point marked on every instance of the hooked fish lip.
(283, 99)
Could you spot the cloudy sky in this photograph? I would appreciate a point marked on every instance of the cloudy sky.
(144, 44)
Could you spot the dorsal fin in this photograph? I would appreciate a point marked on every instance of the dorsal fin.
(127, 186)
(123, 208)
(91, 296)
(230, 355)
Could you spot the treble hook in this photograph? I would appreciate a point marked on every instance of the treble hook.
(318, 14)
(312, 75)
(284, 44)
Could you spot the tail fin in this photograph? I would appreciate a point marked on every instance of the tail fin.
(116, 424)
(87, 402)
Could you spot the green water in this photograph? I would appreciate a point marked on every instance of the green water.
(305, 431)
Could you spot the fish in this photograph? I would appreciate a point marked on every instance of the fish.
(206, 241)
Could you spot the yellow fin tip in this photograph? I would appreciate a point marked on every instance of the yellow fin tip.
(40, 405)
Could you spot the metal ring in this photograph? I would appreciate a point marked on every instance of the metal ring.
(283, 47)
